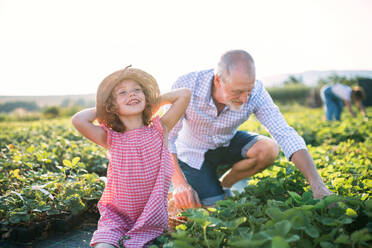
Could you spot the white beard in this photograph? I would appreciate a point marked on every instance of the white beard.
(235, 107)
(231, 105)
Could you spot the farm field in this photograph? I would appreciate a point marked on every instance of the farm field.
(49, 174)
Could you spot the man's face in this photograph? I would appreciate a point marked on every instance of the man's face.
(236, 89)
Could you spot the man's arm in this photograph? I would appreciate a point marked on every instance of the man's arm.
(348, 105)
(292, 144)
(362, 109)
(304, 162)
(183, 194)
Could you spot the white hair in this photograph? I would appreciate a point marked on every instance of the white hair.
(231, 60)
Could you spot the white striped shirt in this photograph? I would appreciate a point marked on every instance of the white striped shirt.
(201, 129)
(342, 91)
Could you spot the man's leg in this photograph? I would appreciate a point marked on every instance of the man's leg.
(338, 109)
(259, 156)
(329, 104)
(204, 181)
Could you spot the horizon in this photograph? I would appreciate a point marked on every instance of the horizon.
(68, 47)
(267, 83)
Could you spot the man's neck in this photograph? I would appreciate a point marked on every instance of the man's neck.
(219, 106)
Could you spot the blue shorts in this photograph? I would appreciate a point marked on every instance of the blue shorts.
(205, 181)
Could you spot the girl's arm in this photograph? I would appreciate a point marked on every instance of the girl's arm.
(179, 99)
(83, 122)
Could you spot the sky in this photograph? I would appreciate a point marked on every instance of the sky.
(50, 47)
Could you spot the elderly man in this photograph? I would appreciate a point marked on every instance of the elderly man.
(207, 136)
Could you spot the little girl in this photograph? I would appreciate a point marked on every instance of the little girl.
(134, 202)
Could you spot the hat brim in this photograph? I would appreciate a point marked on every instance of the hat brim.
(106, 87)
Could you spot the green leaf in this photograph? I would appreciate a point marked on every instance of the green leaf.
(293, 238)
(214, 220)
(304, 243)
(182, 236)
(332, 199)
(279, 242)
(368, 204)
(329, 221)
(283, 227)
(182, 244)
(326, 245)
(360, 236)
(243, 243)
(28, 164)
(343, 239)
(67, 163)
(274, 213)
(312, 231)
(235, 223)
(321, 204)
(307, 196)
(225, 203)
(295, 196)
(75, 160)
(306, 207)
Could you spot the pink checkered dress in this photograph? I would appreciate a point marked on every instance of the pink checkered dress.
(134, 202)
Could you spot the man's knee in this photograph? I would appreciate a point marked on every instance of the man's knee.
(265, 151)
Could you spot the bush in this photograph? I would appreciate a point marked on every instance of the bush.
(51, 112)
(294, 93)
(10, 106)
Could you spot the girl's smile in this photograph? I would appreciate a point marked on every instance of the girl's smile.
(129, 98)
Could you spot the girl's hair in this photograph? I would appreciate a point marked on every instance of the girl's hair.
(105, 100)
(357, 93)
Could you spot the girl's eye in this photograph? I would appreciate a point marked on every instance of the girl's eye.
(123, 92)
(138, 90)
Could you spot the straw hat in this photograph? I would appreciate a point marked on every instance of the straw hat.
(147, 82)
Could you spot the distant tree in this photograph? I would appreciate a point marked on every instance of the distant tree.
(51, 112)
(66, 102)
(80, 102)
(10, 106)
(293, 80)
(366, 84)
(334, 79)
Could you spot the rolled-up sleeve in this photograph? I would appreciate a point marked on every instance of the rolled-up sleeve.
(269, 115)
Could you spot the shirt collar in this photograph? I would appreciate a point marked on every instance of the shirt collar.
(204, 81)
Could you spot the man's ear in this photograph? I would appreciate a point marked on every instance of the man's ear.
(217, 81)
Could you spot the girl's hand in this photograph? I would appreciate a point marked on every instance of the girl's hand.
(179, 99)
(83, 122)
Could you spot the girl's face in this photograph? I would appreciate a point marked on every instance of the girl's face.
(129, 98)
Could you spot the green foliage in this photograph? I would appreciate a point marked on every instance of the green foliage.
(51, 112)
(277, 208)
(47, 168)
(334, 79)
(291, 93)
(10, 106)
(293, 80)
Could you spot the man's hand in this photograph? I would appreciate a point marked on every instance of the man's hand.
(320, 190)
(186, 197)
(305, 163)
